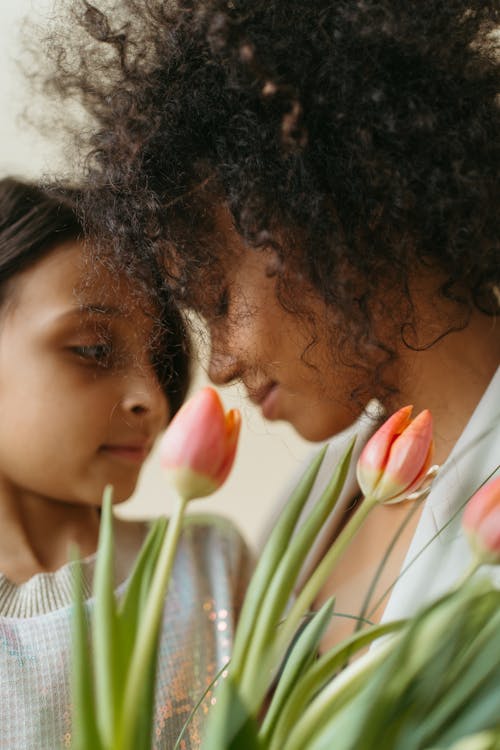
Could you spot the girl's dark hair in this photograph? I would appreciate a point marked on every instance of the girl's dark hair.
(33, 221)
(360, 138)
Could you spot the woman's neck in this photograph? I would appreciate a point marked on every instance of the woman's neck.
(36, 533)
(450, 378)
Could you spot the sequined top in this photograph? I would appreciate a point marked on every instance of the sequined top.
(209, 579)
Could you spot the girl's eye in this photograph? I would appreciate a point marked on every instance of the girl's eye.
(97, 353)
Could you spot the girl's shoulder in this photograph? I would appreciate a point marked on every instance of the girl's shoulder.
(203, 531)
(52, 591)
(213, 537)
(213, 526)
(211, 551)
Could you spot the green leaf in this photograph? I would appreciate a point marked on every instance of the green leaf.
(324, 706)
(473, 701)
(104, 629)
(440, 682)
(431, 693)
(480, 741)
(266, 643)
(325, 715)
(137, 590)
(230, 723)
(84, 734)
(144, 651)
(129, 612)
(301, 655)
(379, 716)
(269, 559)
(144, 726)
(464, 700)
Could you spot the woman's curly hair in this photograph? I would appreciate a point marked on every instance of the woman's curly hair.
(348, 134)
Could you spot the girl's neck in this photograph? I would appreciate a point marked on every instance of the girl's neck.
(37, 533)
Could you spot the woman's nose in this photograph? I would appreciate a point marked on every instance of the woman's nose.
(223, 367)
(225, 362)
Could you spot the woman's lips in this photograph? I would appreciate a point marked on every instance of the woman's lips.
(266, 397)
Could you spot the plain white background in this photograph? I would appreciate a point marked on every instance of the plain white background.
(268, 454)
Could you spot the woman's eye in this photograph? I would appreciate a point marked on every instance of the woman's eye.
(222, 304)
(98, 353)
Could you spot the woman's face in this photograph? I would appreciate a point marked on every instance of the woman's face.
(283, 357)
(79, 398)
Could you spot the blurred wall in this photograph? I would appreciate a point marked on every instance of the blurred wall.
(268, 454)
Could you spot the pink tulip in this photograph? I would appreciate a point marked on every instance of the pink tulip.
(397, 457)
(481, 522)
(199, 446)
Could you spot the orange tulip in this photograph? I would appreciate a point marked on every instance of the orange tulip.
(199, 446)
(481, 522)
(397, 457)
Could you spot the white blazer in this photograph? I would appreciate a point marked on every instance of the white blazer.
(433, 563)
(439, 553)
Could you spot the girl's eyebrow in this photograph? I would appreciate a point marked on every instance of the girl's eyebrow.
(88, 310)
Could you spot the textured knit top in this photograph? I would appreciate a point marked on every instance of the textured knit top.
(209, 578)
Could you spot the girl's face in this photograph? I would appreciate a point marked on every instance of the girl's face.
(80, 402)
(283, 358)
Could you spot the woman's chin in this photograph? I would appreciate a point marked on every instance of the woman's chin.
(318, 425)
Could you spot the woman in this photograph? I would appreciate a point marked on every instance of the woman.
(321, 181)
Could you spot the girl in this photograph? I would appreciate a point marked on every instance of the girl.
(90, 373)
(321, 179)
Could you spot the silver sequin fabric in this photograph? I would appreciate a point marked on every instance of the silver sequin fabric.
(209, 579)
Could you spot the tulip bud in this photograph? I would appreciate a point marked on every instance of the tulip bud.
(395, 460)
(481, 522)
(199, 445)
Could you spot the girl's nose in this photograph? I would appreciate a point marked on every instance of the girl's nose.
(145, 396)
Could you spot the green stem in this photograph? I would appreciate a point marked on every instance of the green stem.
(147, 633)
(320, 575)
(382, 564)
(197, 706)
(475, 564)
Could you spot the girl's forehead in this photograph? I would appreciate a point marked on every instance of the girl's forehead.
(68, 276)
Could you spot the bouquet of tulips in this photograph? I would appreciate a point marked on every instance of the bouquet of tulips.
(430, 682)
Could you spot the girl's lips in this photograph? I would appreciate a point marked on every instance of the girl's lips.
(131, 453)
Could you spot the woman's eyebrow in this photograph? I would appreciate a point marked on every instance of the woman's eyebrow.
(96, 309)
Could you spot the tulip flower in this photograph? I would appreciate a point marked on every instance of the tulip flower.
(395, 461)
(197, 451)
(199, 446)
(481, 522)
